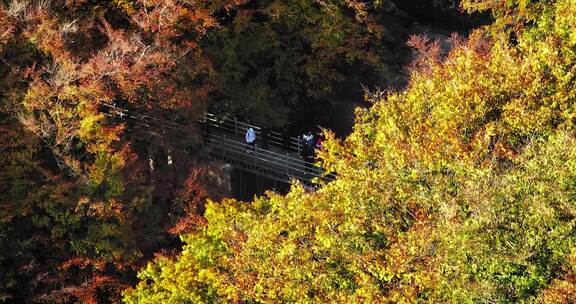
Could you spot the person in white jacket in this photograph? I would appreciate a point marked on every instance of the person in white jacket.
(251, 139)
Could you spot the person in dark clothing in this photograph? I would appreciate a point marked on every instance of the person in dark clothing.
(304, 145)
(309, 152)
(309, 139)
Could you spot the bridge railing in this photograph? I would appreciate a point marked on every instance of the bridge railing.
(231, 125)
(276, 165)
(239, 129)
(279, 163)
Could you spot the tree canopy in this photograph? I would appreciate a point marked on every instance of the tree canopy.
(271, 57)
(79, 210)
(87, 197)
(458, 189)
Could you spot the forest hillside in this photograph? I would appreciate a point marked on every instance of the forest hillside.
(456, 183)
(458, 189)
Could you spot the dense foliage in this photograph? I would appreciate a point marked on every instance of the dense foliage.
(275, 56)
(88, 197)
(79, 207)
(458, 189)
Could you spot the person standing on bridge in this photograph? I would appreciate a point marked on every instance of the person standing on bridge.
(251, 140)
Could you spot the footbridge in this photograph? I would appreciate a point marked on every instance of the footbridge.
(275, 156)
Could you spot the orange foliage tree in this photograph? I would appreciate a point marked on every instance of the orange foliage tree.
(78, 210)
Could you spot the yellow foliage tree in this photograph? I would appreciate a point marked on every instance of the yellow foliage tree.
(459, 189)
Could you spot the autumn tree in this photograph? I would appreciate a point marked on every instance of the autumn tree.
(273, 58)
(91, 91)
(458, 189)
(78, 211)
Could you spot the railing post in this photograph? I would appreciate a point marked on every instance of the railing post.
(225, 146)
(235, 127)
